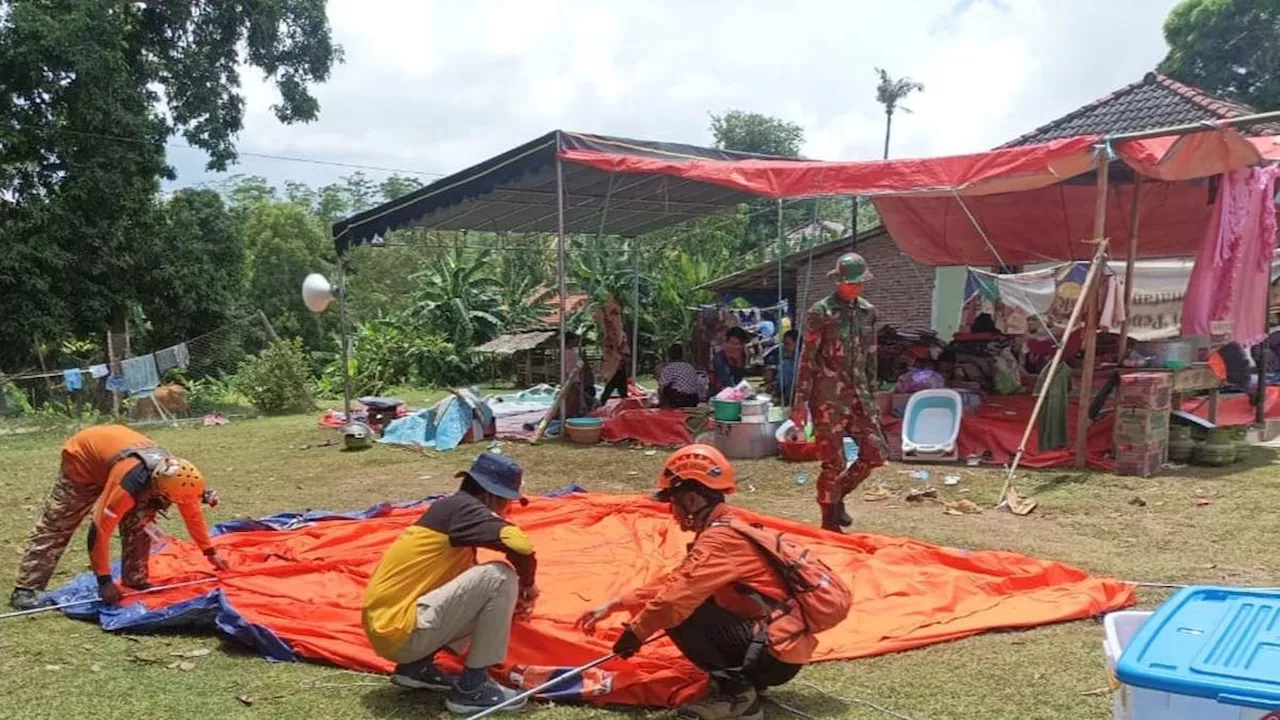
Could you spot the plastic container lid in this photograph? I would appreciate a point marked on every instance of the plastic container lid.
(1211, 642)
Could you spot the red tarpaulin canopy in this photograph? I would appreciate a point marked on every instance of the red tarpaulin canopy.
(938, 209)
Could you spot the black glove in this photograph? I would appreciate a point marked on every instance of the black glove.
(628, 643)
(108, 591)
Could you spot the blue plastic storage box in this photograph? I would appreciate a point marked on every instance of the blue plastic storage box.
(1217, 643)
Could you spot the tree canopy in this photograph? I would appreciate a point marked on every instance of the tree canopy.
(1230, 48)
(756, 133)
(92, 91)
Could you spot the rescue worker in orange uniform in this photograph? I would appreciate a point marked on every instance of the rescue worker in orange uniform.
(130, 479)
(717, 605)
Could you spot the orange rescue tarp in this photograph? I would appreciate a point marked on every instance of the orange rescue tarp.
(305, 587)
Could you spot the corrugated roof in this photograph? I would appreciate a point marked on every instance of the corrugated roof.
(1155, 101)
(765, 275)
(512, 343)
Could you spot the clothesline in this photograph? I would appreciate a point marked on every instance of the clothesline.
(138, 375)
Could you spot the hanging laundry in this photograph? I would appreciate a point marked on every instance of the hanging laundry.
(74, 381)
(98, 371)
(117, 383)
(140, 373)
(1231, 277)
(172, 357)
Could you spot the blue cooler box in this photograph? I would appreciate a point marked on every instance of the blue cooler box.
(1215, 644)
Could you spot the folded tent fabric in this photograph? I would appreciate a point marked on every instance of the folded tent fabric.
(295, 593)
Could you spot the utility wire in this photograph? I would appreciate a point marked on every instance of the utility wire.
(265, 156)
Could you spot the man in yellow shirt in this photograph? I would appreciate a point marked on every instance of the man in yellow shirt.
(429, 593)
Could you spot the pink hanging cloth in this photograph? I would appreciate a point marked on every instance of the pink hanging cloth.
(1232, 275)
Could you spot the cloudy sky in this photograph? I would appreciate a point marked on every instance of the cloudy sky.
(434, 86)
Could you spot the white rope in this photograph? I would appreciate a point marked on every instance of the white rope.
(848, 700)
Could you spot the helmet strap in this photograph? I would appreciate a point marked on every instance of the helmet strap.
(695, 503)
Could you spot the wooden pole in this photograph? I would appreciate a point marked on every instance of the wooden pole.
(563, 285)
(271, 330)
(1128, 266)
(1091, 310)
(1098, 254)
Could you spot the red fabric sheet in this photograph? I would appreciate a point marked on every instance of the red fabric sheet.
(661, 428)
(998, 426)
(1236, 408)
(1017, 196)
(306, 587)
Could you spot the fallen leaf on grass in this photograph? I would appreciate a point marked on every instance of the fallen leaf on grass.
(52, 667)
(246, 700)
(95, 668)
(961, 507)
(1138, 501)
(1201, 502)
(1019, 505)
(877, 493)
(199, 652)
(1097, 692)
(182, 665)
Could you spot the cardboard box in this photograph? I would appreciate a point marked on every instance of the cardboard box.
(1141, 460)
(1141, 427)
(1151, 391)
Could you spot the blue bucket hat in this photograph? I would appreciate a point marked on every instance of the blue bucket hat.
(498, 475)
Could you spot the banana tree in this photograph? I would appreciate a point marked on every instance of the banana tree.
(457, 297)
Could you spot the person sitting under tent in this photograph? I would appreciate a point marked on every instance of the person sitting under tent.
(130, 479)
(679, 385)
(730, 361)
(727, 606)
(428, 593)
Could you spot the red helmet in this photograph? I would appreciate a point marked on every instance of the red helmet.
(701, 464)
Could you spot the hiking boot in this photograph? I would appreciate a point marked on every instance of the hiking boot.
(487, 695)
(744, 705)
(831, 518)
(26, 599)
(845, 519)
(423, 675)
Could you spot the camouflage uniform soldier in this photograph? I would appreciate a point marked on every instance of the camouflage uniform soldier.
(837, 381)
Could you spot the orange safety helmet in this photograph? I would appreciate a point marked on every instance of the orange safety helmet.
(701, 464)
(178, 480)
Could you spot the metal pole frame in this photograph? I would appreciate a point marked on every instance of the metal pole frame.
(562, 282)
(346, 341)
(635, 309)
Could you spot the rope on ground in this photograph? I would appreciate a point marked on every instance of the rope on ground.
(1180, 586)
(848, 700)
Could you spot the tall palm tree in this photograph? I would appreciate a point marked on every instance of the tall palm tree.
(889, 93)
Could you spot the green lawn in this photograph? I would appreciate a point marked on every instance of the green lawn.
(52, 667)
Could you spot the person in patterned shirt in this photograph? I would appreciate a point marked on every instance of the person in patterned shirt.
(837, 382)
(678, 383)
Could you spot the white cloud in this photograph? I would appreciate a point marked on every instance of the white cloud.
(437, 86)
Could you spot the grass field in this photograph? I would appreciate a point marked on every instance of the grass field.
(52, 667)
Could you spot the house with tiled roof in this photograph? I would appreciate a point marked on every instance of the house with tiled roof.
(914, 295)
(1155, 101)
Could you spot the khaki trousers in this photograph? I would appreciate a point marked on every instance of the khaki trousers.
(474, 608)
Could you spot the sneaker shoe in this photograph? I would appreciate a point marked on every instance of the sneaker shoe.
(26, 599)
(423, 675)
(487, 695)
(745, 705)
